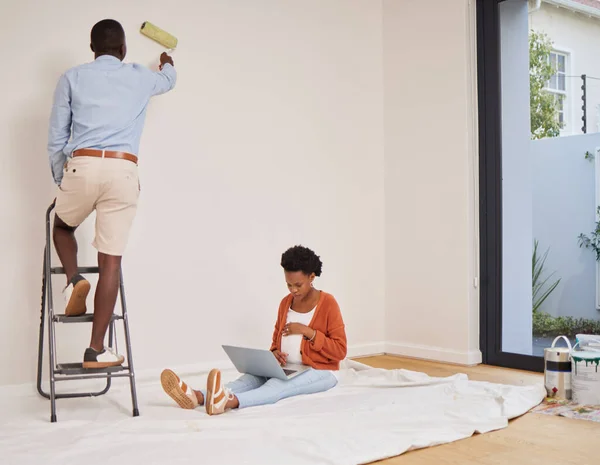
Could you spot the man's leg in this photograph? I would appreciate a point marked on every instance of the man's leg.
(115, 211)
(66, 246)
(97, 355)
(105, 298)
(77, 288)
(75, 201)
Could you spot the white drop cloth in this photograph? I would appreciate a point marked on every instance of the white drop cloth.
(372, 414)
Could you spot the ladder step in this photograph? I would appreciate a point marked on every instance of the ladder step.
(81, 270)
(87, 318)
(77, 369)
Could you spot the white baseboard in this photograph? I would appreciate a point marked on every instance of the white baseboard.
(150, 374)
(438, 354)
(359, 350)
(364, 350)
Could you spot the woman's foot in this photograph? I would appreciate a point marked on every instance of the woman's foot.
(179, 391)
(218, 397)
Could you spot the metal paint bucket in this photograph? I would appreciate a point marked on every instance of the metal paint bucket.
(557, 370)
(586, 377)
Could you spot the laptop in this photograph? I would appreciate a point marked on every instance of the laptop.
(260, 362)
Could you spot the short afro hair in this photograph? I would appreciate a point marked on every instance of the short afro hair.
(299, 258)
(107, 36)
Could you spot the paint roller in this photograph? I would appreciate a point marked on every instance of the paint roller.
(158, 35)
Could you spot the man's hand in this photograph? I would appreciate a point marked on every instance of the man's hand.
(298, 328)
(280, 356)
(164, 58)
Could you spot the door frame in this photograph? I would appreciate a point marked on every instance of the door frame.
(490, 192)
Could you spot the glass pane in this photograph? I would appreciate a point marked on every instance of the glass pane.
(517, 168)
(550, 276)
(561, 63)
(560, 103)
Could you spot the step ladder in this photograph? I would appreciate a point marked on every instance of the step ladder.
(75, 371)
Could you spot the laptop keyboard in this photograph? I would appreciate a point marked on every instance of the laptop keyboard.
(288, 372)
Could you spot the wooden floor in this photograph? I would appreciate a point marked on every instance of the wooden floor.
(532, 439)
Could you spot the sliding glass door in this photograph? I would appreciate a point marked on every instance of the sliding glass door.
(539, 113)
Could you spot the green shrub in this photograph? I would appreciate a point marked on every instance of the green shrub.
(545, 325)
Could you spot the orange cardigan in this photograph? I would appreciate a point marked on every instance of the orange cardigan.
(329, 346)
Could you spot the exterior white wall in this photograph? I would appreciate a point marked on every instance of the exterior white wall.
(578, 35)
(564, 206)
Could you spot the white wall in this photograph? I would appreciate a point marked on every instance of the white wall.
(273, 136)
(430, 106)
(517, 182)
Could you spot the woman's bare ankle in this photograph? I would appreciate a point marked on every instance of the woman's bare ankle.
(232, 403)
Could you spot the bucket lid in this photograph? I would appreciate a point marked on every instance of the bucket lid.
(581, 355)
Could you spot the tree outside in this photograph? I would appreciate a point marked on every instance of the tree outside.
(543, 104)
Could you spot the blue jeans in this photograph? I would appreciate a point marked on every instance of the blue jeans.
(255, 390)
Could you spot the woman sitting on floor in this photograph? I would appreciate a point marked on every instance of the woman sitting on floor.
(309, 330)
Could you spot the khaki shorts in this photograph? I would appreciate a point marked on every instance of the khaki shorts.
(108, 185)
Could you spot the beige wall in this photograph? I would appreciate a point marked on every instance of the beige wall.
(430, 180)
(274, 136)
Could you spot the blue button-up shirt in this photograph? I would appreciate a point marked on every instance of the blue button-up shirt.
(102, 105)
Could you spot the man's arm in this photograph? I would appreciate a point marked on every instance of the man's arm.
(164, 80)
(60, 128)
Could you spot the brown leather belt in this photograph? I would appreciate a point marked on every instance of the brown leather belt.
(105, 154)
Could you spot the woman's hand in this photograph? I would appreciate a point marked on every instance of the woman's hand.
(280, 356)
(298, 328)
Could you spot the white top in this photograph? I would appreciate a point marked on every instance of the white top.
(291, 344)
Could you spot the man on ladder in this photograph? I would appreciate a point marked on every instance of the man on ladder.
(95, 128)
